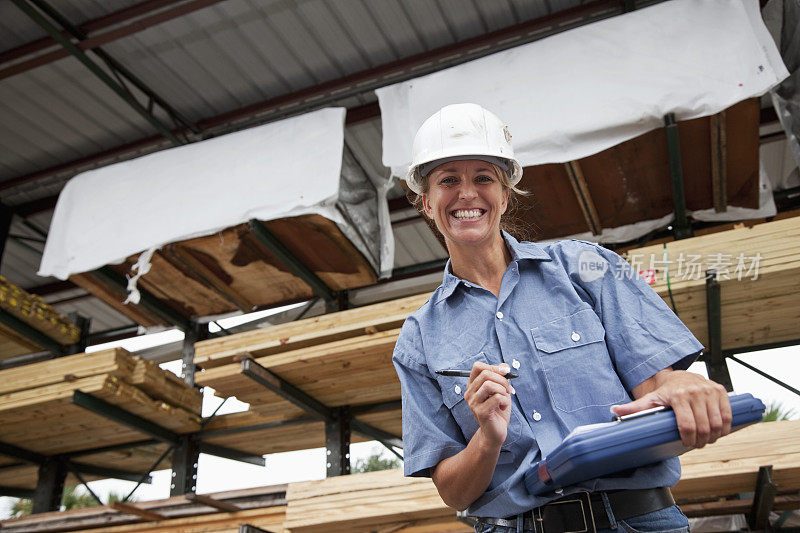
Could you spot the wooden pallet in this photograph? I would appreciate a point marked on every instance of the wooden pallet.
(232, 271)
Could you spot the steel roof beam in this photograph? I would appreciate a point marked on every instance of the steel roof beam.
(118, 69)
(359, 82)
(105, 38)
(81, 56)
(117, 17)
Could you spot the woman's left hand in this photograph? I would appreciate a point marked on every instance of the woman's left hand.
(702, 408)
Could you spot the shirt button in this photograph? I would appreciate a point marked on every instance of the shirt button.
(515, 363)
(537, 416)
(499, 315)
(457, 389)
(575, 336)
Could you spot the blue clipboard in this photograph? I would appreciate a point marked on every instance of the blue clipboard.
(630, 441)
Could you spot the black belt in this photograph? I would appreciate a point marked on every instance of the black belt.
(585, 512)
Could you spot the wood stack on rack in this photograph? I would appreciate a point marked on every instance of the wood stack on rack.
(755, 310)
(37, 413)
(232, 270)
(730, 465)
(33, 311)
(345, 358)
(263, 507)
(382, 501)
(339, 359)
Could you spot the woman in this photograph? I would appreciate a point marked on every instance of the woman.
(580, 338)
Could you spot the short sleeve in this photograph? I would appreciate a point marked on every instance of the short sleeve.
(430, 433)
(643, 335)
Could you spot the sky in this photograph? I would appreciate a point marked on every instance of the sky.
(216, 474)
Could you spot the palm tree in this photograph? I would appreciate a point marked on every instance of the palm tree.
(776, 411)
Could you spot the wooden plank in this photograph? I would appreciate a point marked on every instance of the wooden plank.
(307, 332)
(129, 508)
(230, 270)
(719, 169)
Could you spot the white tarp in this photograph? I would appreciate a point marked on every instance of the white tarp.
(286, 168)
(577, 93)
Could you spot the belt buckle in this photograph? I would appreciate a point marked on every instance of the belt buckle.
(582, 501)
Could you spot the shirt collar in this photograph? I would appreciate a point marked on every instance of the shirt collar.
(519, 251)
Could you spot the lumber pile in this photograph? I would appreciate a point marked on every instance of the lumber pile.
(301, 434)
(261, 507)
(755, 311)
(339, 359)
(231, 270)
(730, 465)
(37, 413)
(374, 501)
(35, 312)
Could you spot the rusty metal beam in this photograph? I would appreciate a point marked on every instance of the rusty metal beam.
(719, 162)
(117, 17)
(581, 189)
(107, 37)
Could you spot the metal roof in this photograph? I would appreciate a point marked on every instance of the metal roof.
(222, 65)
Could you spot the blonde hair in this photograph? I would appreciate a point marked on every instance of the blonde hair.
(505, 223)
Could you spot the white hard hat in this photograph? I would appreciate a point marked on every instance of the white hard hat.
(461, 131)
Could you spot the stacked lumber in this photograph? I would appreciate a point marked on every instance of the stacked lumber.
(754, 311)
(374, 501)
(261, 507)
(339, 359)
(231, 270)
(35, 312)
(730, 465)
(37, 413)
(301, 434)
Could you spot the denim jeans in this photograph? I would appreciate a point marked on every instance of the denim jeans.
(668, 520)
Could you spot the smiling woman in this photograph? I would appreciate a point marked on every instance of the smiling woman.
(580, 341)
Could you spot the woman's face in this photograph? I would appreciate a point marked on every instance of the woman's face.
(465, 199)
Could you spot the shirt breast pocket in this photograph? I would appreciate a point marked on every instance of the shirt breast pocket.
(576, 364)
(453, 389)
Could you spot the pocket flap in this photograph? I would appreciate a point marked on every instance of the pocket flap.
(577, 329)
(453, 388)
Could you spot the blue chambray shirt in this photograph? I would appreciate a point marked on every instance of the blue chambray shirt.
(581, 328)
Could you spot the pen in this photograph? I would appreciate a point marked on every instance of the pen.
(466, 373)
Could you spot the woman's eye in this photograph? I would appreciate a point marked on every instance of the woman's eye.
(448, 179)
(484, 178)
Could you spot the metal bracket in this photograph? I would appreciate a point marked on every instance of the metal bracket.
(274, 245)
(682, 227)
(49, 487)
(14, 492)
(715, 360)
(84, 325)
(121, 416)
(247, 528)
(337, 420)
(32, 334)
(119, 284)
(185, 458)
(337, 442)
(763, 500)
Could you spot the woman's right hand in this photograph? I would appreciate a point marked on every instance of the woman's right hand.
(488, 395)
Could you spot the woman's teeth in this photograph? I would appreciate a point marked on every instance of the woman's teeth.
(468, 213)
